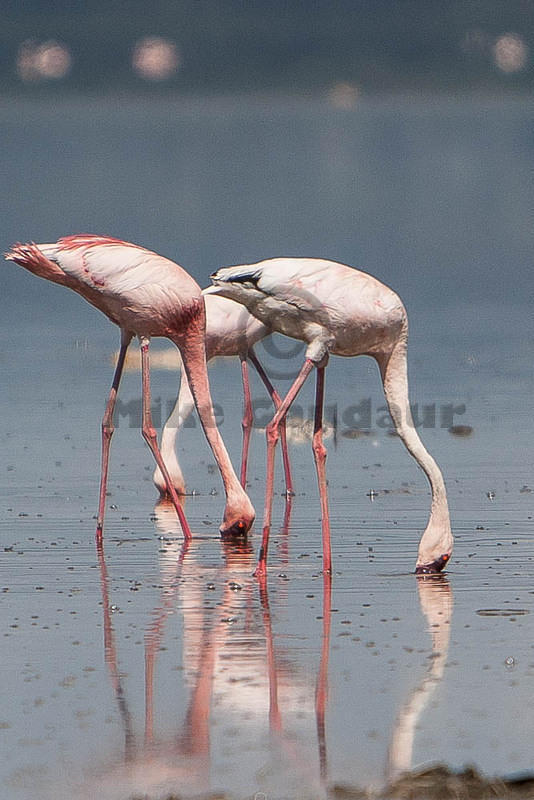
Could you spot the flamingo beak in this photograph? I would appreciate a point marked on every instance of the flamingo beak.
(239, 528)
(433, 568)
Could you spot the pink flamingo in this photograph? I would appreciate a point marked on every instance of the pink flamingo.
(145, 295)
(336, 309)
(230, 331)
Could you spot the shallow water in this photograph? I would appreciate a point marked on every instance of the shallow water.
(145, 669)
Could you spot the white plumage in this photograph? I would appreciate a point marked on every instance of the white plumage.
(338, 310)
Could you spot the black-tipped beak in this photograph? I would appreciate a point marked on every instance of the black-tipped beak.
(434, 567)
(239, 529)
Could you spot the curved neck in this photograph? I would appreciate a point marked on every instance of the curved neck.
(393, 368)
(193, 353)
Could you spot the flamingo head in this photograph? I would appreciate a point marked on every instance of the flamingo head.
(434, 566)
(239, 515)
(237, 529)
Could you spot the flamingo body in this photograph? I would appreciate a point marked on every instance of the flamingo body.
(138, 290)
(230, 329)
(338, 310)
(330, 306)
(146, 295)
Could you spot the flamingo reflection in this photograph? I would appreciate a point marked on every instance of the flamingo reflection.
(436, 599)
(239, 676)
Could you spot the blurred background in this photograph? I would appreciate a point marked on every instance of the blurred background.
(343, 47)
(397, 137)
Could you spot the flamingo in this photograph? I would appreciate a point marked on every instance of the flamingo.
(230, 331)
(145, 295)
(337, 309)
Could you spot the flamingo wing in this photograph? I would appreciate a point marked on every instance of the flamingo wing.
(111, 274)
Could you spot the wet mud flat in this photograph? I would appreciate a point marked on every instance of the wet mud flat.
(436, 782)
(146, 670)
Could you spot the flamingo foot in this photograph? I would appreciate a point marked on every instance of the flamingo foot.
(434, 567)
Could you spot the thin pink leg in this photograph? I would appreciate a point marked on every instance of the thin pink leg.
(107, 433)
(246, 422)
(150, 436)
(319, 453)
(272, 438)
(275, 397)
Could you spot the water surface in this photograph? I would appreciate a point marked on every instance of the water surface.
(144, 669)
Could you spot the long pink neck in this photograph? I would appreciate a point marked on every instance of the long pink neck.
(193, 353)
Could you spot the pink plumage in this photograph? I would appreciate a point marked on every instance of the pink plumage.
(146, 295)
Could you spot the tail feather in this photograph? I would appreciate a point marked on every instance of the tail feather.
(33, 259)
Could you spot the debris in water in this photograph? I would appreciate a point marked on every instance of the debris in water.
(354, 433)
(502, 612)
(438, 782)
(461, 430)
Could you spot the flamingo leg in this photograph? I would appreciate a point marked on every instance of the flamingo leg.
(275, 397)
(272, 438)
(319, 454)
(107, 432)
(150, 436)
(181, 411)
(247, 420)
